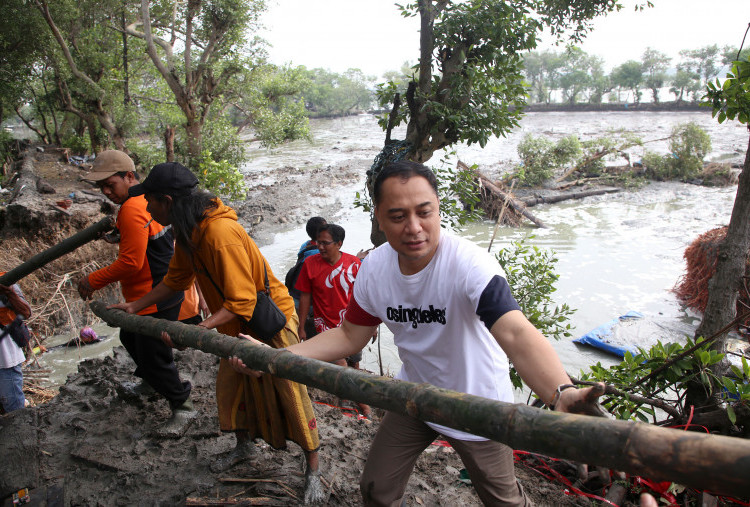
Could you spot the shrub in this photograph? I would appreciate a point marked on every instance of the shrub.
(676, 374)
(146, 155)
(657, 166)
(78, 145)
(6, 141)
(221, 140)
(531, 275)
(221, 177)
(540, 157)
(689, 146)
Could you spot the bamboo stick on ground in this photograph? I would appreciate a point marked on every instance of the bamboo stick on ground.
(66, 246)
(712, 462)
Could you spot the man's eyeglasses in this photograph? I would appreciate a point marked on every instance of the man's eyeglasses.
(325, 243)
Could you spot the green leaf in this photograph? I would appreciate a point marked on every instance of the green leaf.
(732, 416)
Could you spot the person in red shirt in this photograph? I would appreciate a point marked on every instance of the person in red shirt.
(327, 281)
(145, 251)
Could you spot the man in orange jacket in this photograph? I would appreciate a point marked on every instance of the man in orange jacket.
(145, 251)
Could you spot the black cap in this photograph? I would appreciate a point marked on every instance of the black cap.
(169, 178)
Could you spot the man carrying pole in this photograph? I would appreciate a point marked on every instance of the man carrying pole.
(145, 251)
(456, 325)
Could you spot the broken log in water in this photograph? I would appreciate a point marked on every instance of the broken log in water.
(66, 246)
(712, 462)
(533, 200)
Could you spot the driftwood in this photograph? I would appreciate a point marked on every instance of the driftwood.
(66, 246)
(533, 200)
(505, 197)
(712, 462)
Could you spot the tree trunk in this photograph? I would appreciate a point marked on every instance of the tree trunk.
(169, 143)
(66, 246)
(730, 265)
(126, 76)
(105, 120)
(711, 462)
(194, 142)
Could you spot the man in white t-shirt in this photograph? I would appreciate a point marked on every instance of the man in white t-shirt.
(455, 324)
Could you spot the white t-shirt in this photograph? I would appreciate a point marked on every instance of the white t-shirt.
(10, 354)
(433, 316)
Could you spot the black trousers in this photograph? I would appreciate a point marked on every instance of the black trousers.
(155, 362)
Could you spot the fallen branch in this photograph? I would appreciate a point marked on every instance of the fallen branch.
(613, 391)
(712, 462)
(513, 203)
(533, 200)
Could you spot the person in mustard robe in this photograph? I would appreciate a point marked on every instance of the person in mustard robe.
(214, 248)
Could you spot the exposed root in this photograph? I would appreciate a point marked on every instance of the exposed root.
(701, 256)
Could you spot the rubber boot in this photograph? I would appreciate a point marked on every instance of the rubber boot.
(134, 390)
(183, 416)
(243, 451)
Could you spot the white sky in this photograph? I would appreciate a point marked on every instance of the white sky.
(372, 36)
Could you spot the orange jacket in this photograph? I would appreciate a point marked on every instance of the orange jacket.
(145, 251)
(235, 264)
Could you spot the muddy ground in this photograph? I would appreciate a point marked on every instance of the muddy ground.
(91, 446)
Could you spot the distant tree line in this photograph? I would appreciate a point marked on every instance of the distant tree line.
(573, 76)
(187, 81)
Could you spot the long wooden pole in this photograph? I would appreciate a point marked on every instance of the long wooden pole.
(67, 245)
(711, 462)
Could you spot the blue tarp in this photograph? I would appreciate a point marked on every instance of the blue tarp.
(600, 337)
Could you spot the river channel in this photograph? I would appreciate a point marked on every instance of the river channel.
(615, 253)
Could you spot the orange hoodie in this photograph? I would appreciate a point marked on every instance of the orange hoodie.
(235, 264)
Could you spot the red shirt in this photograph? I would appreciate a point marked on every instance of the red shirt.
(330, 286)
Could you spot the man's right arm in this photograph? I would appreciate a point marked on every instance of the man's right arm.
(336, 343)
(132, 252)
(330, 345)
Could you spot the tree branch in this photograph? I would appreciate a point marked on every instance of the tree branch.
(654, 402)
(29, 124)
(169, 74)
(44, 9)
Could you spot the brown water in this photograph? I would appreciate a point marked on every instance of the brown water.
(616, 253)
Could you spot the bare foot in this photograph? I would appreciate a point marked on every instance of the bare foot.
(313, 488)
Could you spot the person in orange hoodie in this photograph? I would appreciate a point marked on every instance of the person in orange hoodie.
(213, 248)
(146, 248)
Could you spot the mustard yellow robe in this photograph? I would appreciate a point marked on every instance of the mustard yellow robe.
(271, 408)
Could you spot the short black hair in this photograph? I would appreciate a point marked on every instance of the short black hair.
(403, 169)
(312, 226)
(123, 174)
(336, 231)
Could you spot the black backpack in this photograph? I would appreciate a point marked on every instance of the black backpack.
(291, 276)
(17, 331)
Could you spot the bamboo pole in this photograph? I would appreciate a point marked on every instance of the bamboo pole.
(711, 462)
(66, 246)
